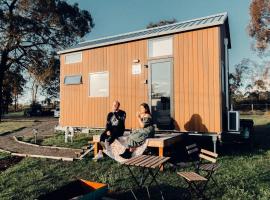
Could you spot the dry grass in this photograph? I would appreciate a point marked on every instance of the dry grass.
(10, 126)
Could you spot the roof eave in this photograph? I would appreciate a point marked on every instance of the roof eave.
(224, 21)
(133, 39)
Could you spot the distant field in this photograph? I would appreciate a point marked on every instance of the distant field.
(258, 119)
(14, 114)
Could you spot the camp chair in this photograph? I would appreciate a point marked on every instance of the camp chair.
(210, 167)
(193, 153)
(203, 160)
(196, 183)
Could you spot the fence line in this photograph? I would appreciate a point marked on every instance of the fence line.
(252, 107)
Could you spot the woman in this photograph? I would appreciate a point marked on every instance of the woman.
(139, 136)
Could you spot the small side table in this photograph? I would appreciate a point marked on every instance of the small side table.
(149, 166)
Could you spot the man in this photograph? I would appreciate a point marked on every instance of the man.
(115, 127)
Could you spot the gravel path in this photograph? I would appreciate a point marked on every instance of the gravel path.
(45, 126)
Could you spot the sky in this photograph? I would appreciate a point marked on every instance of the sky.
(113, 17)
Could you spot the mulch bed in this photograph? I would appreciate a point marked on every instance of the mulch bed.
(7, 162)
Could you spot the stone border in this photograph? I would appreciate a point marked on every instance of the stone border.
(5, 151)
(38, 156)
(41, 156)
(36, 145)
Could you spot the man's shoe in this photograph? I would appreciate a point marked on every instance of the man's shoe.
(99, 156)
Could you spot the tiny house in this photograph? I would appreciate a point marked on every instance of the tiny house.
(180, 70)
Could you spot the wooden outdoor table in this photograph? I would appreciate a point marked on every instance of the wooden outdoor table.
(160, 141)
(149, 168)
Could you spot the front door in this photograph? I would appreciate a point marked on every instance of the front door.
(160, 92)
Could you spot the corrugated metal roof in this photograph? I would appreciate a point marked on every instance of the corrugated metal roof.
(203, 22)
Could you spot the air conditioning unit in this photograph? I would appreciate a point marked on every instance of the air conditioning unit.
(233, 121)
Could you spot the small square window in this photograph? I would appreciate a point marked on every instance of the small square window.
(73, 58)
(73, 80)
(160, 47)
(99, 84)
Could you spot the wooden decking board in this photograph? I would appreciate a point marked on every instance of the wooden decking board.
(192, 176)
(160, 140)
(133, 159)
(145, 160)
(151, 159)
(154, 162)
(209, 153)
(213, 160)
(208, 167)
(163, 160)
(96, 138)
(140, 160)
(130, 160)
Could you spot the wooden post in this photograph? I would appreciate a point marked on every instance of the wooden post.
(160, 151)
(160, 154)
(95, 148)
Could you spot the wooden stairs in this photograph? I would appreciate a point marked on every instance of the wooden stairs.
(85, 150)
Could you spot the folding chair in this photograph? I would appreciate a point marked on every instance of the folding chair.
(196, 183)
(199, 157)
(193, 153)
(211, 166)
(149, 168)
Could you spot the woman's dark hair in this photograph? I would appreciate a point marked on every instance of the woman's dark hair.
(146, 107)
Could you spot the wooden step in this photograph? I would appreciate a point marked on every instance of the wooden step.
(78, 153)
(85, 153)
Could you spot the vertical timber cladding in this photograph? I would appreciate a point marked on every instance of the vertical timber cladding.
(197, 75)
(129, 89)
(70, 95)
(197, 83)
(79, 109)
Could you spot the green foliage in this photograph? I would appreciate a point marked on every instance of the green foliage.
(12, 89)
(258, 27)
(4, 155)
(249, 83)
(33, 30)
(51, 85)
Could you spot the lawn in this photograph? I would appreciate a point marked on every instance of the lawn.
(79, 140)
(244, 174)
(258, 119)
(10, 126)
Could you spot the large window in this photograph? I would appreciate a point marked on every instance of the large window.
(73, 80)
(160, 47)
(73, 58)
(99, 84)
